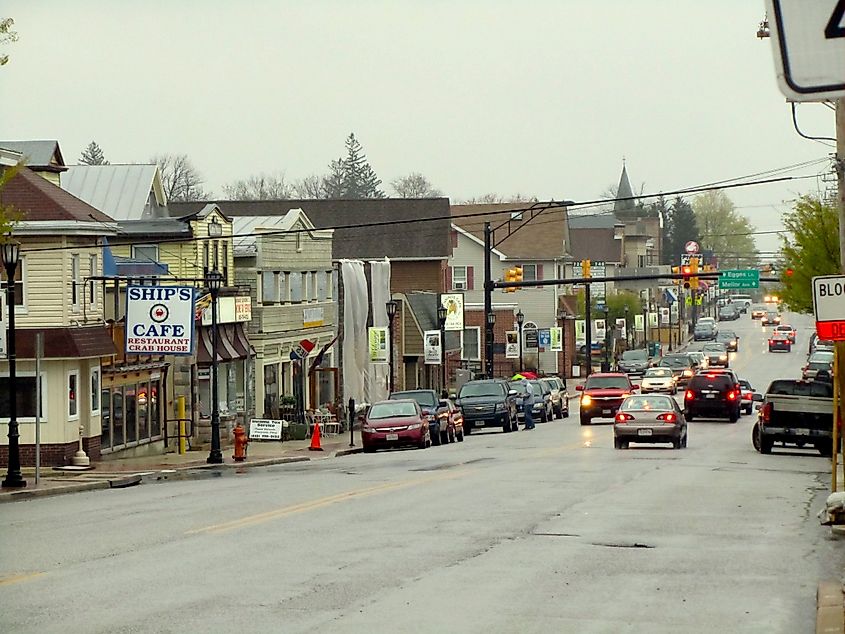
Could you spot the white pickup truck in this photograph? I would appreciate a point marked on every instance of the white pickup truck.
(795, 412)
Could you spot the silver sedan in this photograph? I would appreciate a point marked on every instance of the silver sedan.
(649, 418)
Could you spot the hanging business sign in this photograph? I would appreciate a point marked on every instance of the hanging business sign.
(639, 323)
(512, 344)
(556, 335)
(432, 347)
(599, 327)
(454, 305)
(621, 328)
(544, 338)
(664, 316)
(377, 338)
(160, 320)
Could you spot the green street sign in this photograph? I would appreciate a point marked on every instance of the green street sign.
(740, 278)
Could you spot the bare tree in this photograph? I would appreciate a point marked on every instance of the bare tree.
(312, 186)
(179, 177)
(415, 185)
(259, 187)
(491, 198)
(7, 35)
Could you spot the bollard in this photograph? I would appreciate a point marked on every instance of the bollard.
(351, 422)
(180, 415)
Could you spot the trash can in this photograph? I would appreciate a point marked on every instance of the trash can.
(298, 431)
(654, 349)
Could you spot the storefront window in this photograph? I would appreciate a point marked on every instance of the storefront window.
(131, 419)
(271, 391)
(25, 400)
(117, 417)
(105, 420)
(73, 395)
(143, 411)
(95, 390)
(155, 415)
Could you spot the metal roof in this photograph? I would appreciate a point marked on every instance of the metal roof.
(245, 229)
(121, 191)
(36, 153)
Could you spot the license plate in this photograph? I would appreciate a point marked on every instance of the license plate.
(801, 432)
(643, 432)
(479, 423)
(711, 396)
(606, 412)
(392, 437)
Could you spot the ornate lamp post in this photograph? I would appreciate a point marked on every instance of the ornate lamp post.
(11, 256)
(441, 322)
(520, 319)
(391, 306)
(606, 339)
(627, 328)
(214, 282)
(491, 321)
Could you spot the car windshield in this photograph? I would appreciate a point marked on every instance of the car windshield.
(658, 373)
(745, 384)
(424, 397)
(725, 336)
(759, 307)
(550, 385)
(705, 326)
(676, 361)
(784, 328)
(714, 347)
(601, 382)
(518, 386)
(481, 389)
(399, 409)
(635, 355)
(540, 387)
(826, 357)
(646, 403)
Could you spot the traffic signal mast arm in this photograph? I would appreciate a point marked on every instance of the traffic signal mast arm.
(712, 275)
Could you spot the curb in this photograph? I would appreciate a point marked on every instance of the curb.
(24, 494)
(348, 452)
(829, 608)
(263, 462)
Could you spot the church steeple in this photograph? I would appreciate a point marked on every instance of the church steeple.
(624, 207)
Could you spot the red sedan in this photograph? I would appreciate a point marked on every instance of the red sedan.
(390, 424)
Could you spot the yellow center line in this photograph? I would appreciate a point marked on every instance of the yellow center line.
(12, 579)
(252, 520)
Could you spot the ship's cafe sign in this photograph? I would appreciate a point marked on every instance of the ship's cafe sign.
(160, 320)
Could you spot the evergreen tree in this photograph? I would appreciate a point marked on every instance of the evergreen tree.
(93, 155)
(352, 176)
(679, 227)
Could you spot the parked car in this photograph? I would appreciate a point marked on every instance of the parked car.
(603, 393)
(771, 318)
(395, 423)
(563, 405)
(780, 341)
(819, 344)
(717, 354)
(560, 402)
(747, 392)
(429, 404)
(712, 394)
(651, 419)
(788, 330)
(543, 408)
(758, 311)
(682, 366)
(487, 403)
(450, 416)
(729, 338)
(729, 312)
(659, 380)
(633, 362)
(704, 332)
(795, 412)
(819, 360)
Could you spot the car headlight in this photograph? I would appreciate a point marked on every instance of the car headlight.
(415, 426)
(687, 372)
(369, 430)
(586, 399)
(723, 357)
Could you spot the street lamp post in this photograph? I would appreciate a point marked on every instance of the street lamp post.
(606, 339)
(491, 365)
(441, 321)
(520, 318)
(214, 282)
(627, 328)
(391, 313)
(14, 479)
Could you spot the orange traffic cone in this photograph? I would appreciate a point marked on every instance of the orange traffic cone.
(315, 439)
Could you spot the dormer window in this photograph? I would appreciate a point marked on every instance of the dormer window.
(215, 229)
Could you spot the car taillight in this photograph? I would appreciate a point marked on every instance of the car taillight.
(731, 395)
(622, 417)
(689, 395)
(746, 395)
(669, 417)
(766, 412)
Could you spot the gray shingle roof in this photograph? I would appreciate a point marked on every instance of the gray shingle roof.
(121, 191)
(37, 153)
(592, 221)
(411, 240)
(424, 306)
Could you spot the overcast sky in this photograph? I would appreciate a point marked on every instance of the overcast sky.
(540, 98)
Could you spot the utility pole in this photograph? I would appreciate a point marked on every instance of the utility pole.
(839, 166)
(588, 330)
(488, 301)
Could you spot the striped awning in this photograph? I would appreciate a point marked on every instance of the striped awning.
(232, 344)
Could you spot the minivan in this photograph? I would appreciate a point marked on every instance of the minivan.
(741, 301)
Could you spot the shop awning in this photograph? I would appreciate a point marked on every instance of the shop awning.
(232, 344)
(66, 343)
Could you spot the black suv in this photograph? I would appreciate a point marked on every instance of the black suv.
(712, 394)
(488, 403)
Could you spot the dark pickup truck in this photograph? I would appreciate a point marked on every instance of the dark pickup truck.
(795, 412)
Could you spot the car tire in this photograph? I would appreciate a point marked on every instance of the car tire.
(825, 448)
(689, 417)
(467, 430)
(460, 436)
(765, 445)
(749, 410)
(617, 443)
(435, 438)
(585, 420)
(444, 437)
(686, 439)
(677, 444)
(733, 416)
(369, 449)
(565, 413)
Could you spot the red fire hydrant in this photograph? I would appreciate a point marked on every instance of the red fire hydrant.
(241, 441)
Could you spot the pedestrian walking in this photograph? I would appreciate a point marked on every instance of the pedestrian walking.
(528, 403)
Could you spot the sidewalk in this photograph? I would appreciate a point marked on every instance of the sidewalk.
(124, 472)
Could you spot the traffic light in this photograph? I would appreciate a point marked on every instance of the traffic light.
(686, 271)
(517, 274)
(585, 266)
(693, 282)
(513, 275)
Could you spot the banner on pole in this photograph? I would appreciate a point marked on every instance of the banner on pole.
(557, 339)
(512, 344)
(454, 305)
(377, 337)
(600, 328)
(652, 320)
(639, 323)
(432, 347)
(621, 328)
(580, 329)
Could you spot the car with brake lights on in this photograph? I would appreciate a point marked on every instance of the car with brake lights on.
(771, 318)
(729, 338)
(780, 341)
(395, 423)
(788, 330)
(717, 354)
(649, 418)
(602, 394)
(659, 380)
(633, 362)
(795, 412)
(712, 394)
(681, 364)
(748, 397)
(487, 403)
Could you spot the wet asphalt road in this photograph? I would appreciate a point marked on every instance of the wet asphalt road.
(547, 531)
